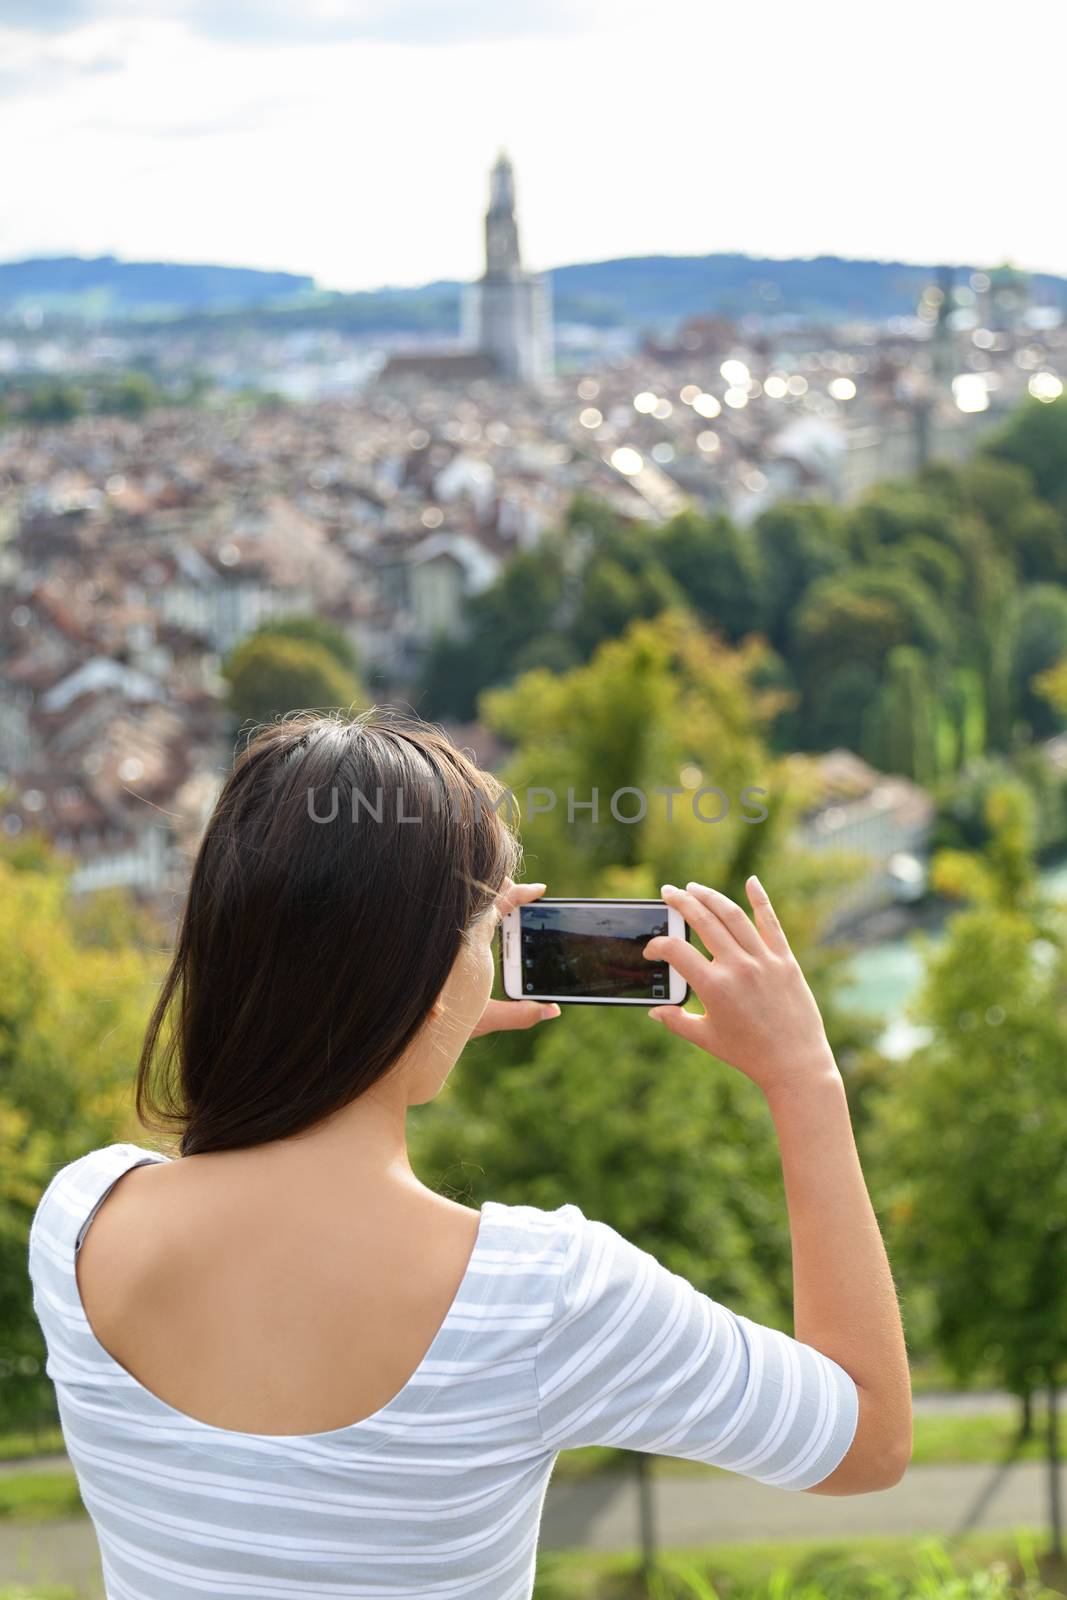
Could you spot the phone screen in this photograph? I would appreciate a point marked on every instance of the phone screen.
(592, 951)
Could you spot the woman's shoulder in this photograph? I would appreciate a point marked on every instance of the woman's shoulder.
(526, 1239)
(77, 1188)
(554, 1246)
(567, 1226)
(532, 1226)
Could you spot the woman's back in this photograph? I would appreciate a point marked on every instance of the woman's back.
(556, 1333)
(266, 1295)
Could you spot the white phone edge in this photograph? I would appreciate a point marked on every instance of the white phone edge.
(511, 970)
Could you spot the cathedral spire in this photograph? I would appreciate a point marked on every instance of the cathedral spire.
(512, 309)
(502, 257)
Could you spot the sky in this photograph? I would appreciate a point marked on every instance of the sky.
(351, 139)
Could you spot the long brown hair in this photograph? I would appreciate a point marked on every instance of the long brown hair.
(343, 864)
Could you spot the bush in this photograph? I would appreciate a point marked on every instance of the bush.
(921, 1571)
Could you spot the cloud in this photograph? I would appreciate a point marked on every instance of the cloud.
(246, 117)
(328, 21)
(398, 21)
(44, 69)
(47, 16)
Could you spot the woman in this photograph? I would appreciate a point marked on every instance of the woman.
(284, 1367)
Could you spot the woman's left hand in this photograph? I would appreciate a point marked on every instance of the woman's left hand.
(502, 1016)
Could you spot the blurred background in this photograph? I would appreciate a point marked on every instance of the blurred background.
(654, 399)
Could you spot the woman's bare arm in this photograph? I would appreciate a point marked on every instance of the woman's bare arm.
(761, 1017)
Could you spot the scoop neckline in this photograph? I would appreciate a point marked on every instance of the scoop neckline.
(376, 1420)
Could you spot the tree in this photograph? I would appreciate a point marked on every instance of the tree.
(845, 628)
(974, 1127)
(501, 626)
(900, 731)
(53, 402)
(130, 395)
(74, 996)
(1003, 495)
(1039, 642)
(1036, 438)
(611, 598)
(310, 629)
(799, 542)
(270, 676)
(665, 704)
(718, 569)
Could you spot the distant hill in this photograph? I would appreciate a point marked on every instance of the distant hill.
(656, 290)
(107, 288)
(638, 292)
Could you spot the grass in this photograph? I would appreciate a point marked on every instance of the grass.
(47, 1591)
(946, 1438)
(39, 1496)
(854, 1569)
(17, 1446)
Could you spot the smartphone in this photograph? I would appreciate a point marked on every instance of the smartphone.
(588, 952)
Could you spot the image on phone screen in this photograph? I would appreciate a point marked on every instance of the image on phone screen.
(592, 951)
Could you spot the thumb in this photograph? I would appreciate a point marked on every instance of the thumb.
(523, 1014)
(685, 1025)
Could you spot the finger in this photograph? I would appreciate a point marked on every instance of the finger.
(681, 955)
(770, 928)
(514, 895)
(686, 1025)
(513, 1014)
(716, 938)
(729, 914)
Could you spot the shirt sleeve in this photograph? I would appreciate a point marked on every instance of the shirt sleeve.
(636, 1357)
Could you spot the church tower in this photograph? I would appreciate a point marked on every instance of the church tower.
(513, 317)
(502, 259)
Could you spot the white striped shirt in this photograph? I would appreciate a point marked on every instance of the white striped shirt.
(561, 1334)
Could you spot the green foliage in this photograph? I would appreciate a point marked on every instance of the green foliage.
(799, 543)
(310, 629)
(861, 1569)
(39, 1496)
(1039, 632)
(269, 675)
(131, 395)
(74, 994)
(848, 1578)
(48, 1591)
(58, 400)
(932, 602)
(19, 1446)
(899, 730)
(972, 1130)
(52, 402)
(503, 625)
(963, 811)
(1036, 439)
(719, 570)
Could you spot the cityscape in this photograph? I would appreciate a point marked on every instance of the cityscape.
(383, 488)
(668, 411)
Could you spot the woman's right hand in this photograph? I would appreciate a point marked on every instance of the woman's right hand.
(759, 1013)
(760, 1016)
